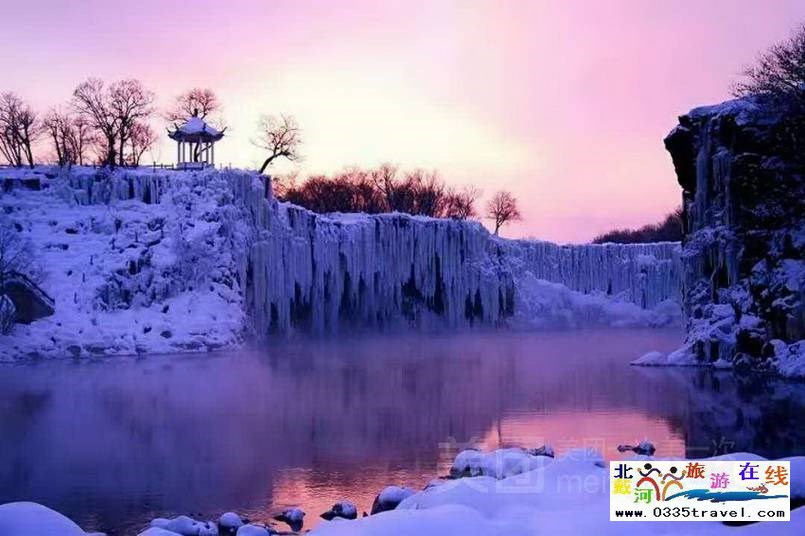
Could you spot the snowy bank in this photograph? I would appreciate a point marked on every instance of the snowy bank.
(567, 496)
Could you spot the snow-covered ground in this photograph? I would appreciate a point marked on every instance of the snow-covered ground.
(513, 493)
(147, 261)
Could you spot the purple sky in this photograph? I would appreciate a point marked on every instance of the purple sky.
(565, 103)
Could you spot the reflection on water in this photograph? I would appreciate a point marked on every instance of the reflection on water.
(115, 443)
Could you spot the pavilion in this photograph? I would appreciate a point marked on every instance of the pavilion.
(195, 143)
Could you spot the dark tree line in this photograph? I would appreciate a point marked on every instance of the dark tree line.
(389, 189)
(668, 230)
(384, 189)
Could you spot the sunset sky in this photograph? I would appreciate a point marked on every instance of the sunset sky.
(565, 103)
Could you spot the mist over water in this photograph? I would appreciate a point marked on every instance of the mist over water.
(114, 443)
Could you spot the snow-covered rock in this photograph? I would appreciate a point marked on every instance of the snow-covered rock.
(32, 519)
(341, 509)
(229, 523)
(186, 526)
(501, 463)
(253, 530)
(740, 165)
(389, 498)
(293, 517)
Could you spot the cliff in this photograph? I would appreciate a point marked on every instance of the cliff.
(142, 261)
(740, 165)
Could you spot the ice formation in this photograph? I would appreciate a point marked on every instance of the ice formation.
(150, 260)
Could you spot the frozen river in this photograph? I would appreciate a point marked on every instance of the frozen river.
(114, 443)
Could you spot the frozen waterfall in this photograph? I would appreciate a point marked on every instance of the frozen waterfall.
(322, 272)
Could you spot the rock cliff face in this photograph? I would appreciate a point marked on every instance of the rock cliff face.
(741, 167)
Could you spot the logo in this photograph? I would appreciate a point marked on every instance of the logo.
(699, 490)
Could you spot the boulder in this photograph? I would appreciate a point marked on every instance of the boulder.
(30, 301)
(390, 498)
(293, 517)
(32, 519)
(342, 509)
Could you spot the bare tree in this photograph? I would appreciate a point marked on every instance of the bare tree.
(19, 128)
(80, 139)
(196, 102)
(780, 71)
(91, 100)
(280, 137)
(112, 111)
(142, 138)
(59, 128)
(131, 103)
(460, 204)
(502, 208)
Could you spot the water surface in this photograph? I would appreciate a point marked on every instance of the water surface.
(114, 443)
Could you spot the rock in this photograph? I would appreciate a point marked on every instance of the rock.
(30, 301)
(544, 450)
(390, 498)
(229, 523)
(644, 448)
(343, 509)
(293, 517)
(32, 519)
(8, 315)
(740, 167)
(186, 526)
(156, 531)
(253, 530)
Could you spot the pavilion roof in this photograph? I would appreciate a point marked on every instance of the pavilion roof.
(195, 129)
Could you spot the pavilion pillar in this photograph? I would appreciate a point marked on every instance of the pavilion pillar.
(212, 154)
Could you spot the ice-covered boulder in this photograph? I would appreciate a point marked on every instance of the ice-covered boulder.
(33, 519)
(740, 165)
(389, 498)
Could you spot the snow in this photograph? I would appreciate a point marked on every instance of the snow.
(196, 125)
(32, 519)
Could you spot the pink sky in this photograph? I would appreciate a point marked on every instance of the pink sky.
(565, 103)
